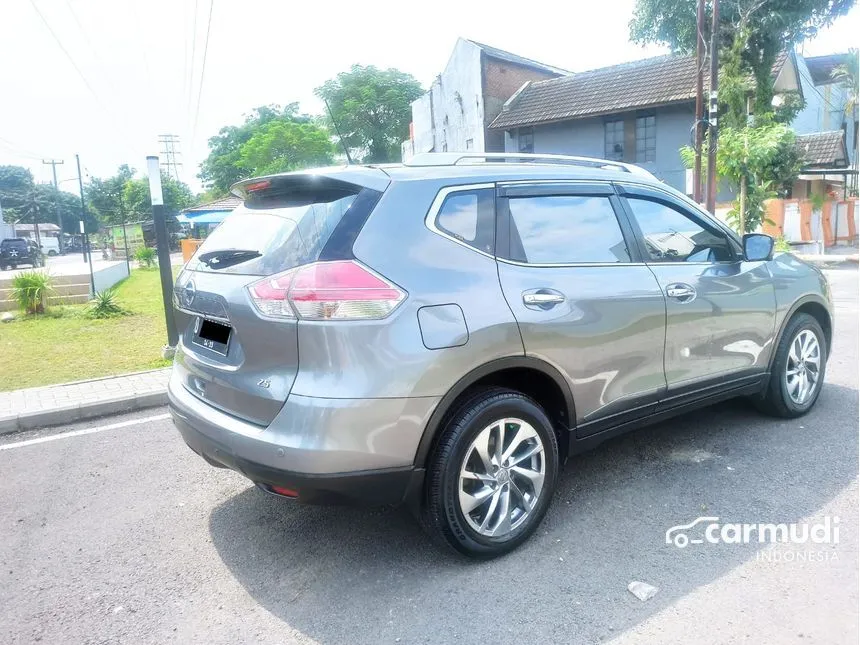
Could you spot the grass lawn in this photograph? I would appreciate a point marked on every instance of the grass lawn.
(70, 347)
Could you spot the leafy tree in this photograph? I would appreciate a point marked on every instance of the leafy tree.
(284, 144)
(105, 195)
(222, 168)
(125, 195)
(372, 109)
(138, 204)
(762, 160)
(758, 30)
(26, 201)
(16, 184)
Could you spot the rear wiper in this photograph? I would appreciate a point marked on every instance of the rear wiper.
(227, 257)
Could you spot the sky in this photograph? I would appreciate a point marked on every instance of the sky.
(104, 78)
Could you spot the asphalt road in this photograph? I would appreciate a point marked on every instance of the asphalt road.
(124, 536)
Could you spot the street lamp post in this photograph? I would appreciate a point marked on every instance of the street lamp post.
(161, 241)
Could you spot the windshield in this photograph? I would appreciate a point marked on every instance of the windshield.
(253, 241)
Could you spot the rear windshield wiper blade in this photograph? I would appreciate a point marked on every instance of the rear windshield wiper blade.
(228, 257)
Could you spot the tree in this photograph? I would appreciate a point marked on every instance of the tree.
(762, 160)
(758, 29)
(138, 204)
(372, 109)
(16, 183)
(284, 144)
(125, 196)
(222, 168)
(105, 195)
(25, 201)
(847, 75)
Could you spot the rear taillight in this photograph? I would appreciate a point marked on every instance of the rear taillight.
(342, 290)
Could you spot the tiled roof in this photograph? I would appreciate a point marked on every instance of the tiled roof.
(501, 54)
(821, 67)
(653, 81)
(224, 204)
(823, 149)
(629, 86)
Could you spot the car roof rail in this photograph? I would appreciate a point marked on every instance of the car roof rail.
(464, 158)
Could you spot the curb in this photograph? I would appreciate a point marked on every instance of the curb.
(81, 411)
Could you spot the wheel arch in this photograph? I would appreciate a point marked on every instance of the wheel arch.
(816, 307)
(532, 376)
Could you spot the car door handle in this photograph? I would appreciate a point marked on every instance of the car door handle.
(681, 291)
(543, 298)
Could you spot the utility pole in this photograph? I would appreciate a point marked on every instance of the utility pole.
(700, 64)
(34, 209)
(170, 142)
(711, 187)
(54, 163)
(88, 257)
(161, 240)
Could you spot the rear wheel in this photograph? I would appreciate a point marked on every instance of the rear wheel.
(492, 475)
(798, 369)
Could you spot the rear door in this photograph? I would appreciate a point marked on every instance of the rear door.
(719, 309)
(232, 355)
(571, 273)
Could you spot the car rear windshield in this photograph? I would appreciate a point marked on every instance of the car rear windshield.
(274, 232)
(12, 242)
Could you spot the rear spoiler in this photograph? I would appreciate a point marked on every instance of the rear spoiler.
(363, 176)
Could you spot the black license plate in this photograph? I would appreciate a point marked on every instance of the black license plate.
(212, 335)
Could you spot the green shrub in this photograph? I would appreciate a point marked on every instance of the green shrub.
(105, 305)
(781, 245)
(30, 290)
(146, 257)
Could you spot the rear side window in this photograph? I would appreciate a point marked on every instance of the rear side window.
(565, 229)
(469, 216)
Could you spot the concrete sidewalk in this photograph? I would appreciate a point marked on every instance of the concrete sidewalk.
(67, 402)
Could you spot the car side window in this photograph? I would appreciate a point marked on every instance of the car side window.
(469, 216)
(565, 229)
(671, 235)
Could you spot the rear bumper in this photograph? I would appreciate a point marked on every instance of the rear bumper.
(307, 448)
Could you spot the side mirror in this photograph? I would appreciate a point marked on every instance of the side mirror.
(758, 247)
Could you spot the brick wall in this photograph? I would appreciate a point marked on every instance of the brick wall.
(501, 80)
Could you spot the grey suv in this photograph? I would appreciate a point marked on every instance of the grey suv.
(445, 333)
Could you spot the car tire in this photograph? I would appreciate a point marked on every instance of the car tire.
(514, 479)
(802, 343)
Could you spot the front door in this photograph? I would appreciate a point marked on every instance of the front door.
(720, 309)
(572, 275)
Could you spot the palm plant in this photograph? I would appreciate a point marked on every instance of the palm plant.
(30, 290)
(104, 305)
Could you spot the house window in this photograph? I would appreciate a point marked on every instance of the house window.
(646, 138)
(526, 140)
(470, 144)
(613, 140)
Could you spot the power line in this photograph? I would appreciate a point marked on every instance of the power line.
(202, 73)
(68, 55)
(191, 67)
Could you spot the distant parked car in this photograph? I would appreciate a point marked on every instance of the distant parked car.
(15, 251)
(50, 245)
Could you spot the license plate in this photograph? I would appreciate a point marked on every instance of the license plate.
(212, 335)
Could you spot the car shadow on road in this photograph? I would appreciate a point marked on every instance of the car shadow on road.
(347, 575)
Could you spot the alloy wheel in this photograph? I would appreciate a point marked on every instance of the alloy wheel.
(501, 477)
(803, 367)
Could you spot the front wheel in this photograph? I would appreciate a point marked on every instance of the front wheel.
(798, 369)
(492, 475)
